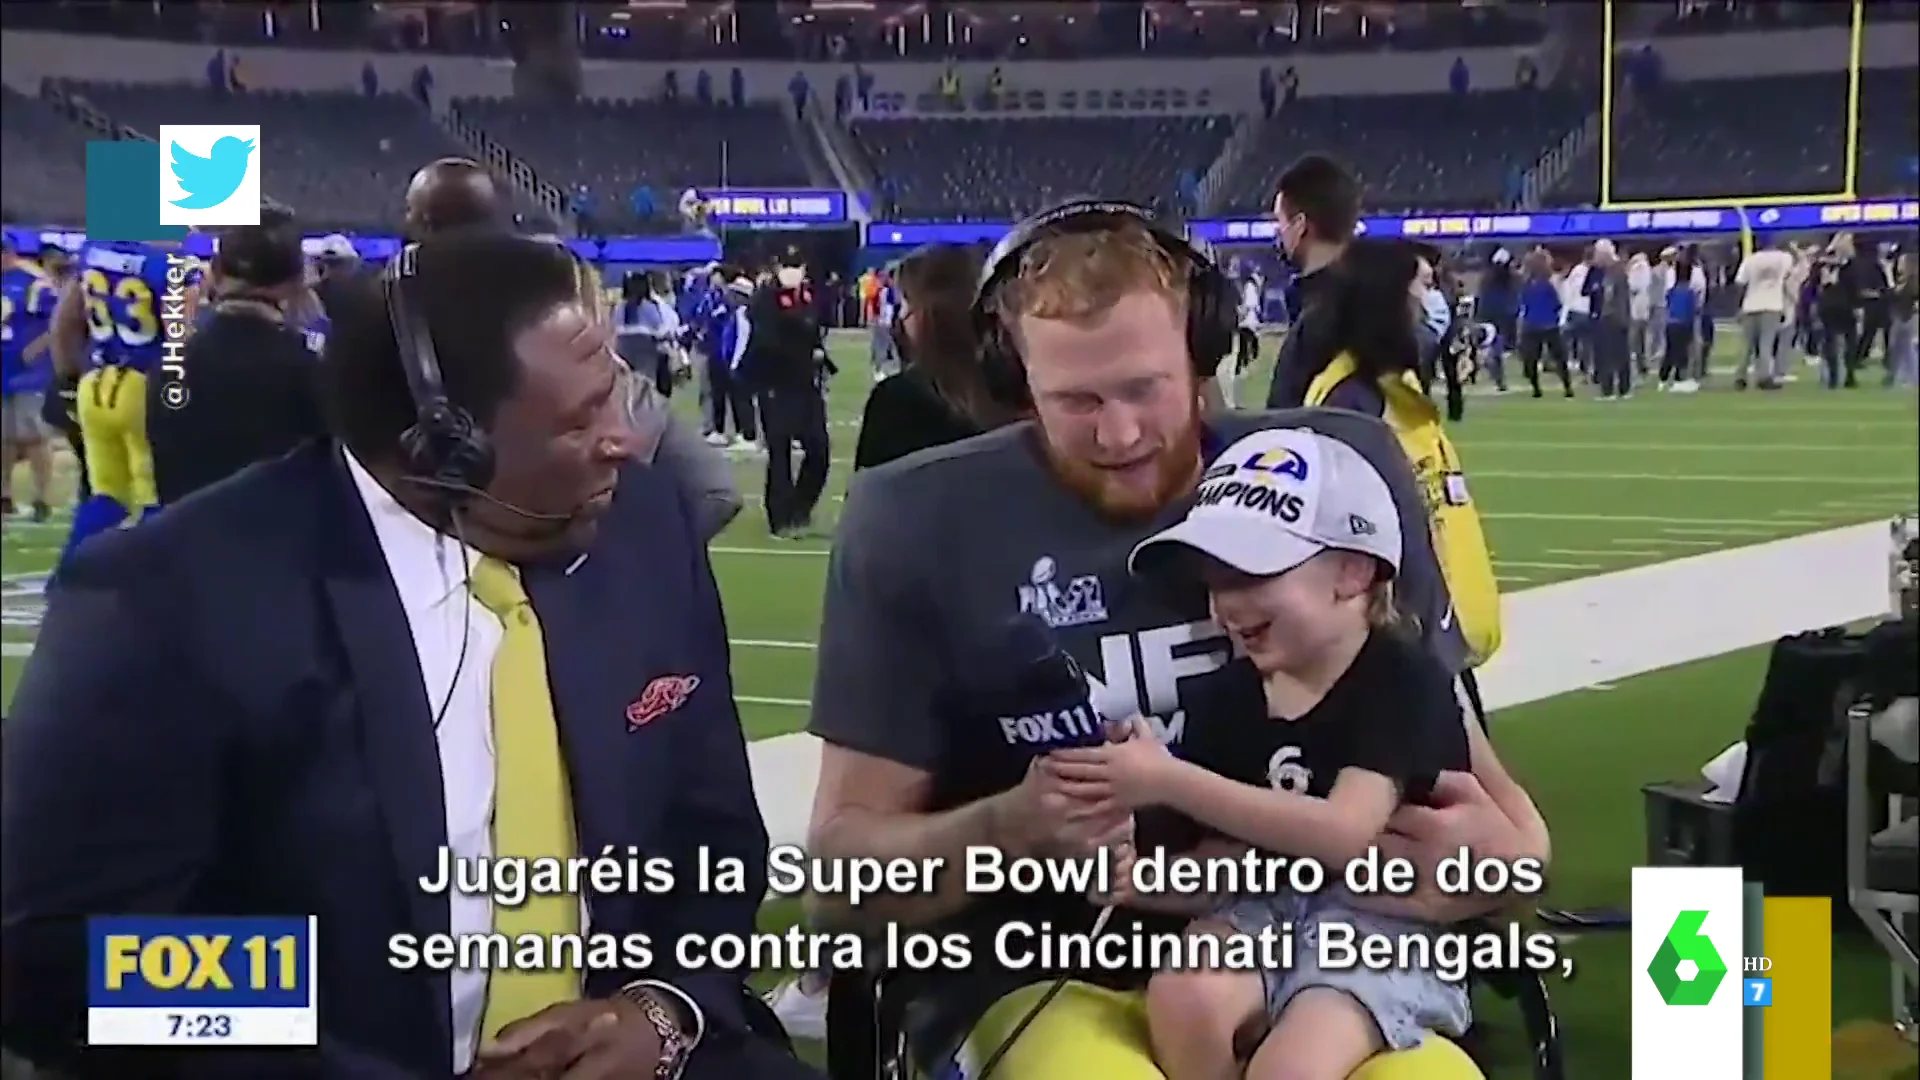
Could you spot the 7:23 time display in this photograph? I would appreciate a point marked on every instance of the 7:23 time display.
(199, 1025)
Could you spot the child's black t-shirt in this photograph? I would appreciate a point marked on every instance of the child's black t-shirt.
(1392, 712)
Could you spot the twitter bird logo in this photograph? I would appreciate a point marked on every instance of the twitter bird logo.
(211, 180)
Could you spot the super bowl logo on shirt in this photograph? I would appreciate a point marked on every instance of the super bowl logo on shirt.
(1079, 602)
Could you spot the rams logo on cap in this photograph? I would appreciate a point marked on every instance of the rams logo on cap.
(1276, 462)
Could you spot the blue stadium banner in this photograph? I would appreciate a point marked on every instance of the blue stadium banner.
(1532, 225)
(202, 980)
(804, 206)
(123, 184)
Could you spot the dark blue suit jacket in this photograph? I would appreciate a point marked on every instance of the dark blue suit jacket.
(225, 715)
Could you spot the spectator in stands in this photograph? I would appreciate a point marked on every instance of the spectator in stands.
(1315, 211)
(253, 380)
(1764, 305)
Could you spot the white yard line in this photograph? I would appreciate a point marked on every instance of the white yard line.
(1499, 564)
(1724, 530)
(1607, 553)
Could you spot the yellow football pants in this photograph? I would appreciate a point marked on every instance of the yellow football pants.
(1091, 1031)
(113, 436)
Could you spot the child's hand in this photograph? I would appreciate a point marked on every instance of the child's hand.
(1132, 773)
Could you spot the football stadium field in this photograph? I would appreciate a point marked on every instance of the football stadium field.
(1569, 489)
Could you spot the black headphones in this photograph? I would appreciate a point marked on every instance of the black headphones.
(444, 448)
(1212, 302)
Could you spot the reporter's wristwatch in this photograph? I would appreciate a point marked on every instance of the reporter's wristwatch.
(663, 1013)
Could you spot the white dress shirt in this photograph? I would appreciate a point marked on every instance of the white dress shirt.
(430, 572)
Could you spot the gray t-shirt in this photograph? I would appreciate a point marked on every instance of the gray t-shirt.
(937, 551)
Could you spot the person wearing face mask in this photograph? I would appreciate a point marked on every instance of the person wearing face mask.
(1316, 210)
(788, 364)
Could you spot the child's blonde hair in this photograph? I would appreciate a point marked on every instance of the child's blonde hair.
(1384, 611)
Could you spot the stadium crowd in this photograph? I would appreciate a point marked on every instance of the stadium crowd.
(421, 572)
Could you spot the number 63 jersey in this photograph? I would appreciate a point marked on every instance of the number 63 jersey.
(124, 285)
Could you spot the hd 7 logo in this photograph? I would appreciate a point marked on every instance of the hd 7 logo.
(1687, 969)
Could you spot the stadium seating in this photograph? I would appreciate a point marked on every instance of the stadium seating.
(43, 170)
(613, 147)
(341, 160)
(1413, 152)
(1770, 136)
(977, 169)
(1779, 135)
(1889, 115)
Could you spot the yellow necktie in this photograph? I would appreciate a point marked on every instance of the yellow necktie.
(532, 809)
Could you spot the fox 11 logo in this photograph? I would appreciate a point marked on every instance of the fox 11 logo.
(197, 176)
(202, 980)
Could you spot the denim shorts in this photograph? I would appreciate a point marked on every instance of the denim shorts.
(1404, 1004)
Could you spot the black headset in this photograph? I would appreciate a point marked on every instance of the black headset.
(1212, 302)
(443, 449)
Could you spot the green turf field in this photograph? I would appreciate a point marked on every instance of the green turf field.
(1568, 488)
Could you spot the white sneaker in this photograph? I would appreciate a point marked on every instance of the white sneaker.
(717, 438)
(1686, 386)
(803, 1015)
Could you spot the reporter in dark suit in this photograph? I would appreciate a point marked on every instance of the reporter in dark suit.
(290, 692)
(252, 390)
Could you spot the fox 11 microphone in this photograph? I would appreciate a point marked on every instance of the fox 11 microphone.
(1049, 702)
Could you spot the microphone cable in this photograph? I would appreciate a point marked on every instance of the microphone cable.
(466, 618)
(1115, 733)
(1053, 991)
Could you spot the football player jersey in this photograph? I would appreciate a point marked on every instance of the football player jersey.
(125, 284)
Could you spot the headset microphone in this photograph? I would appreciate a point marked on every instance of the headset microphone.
(454, 490)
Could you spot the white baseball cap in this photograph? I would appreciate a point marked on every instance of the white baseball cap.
(1277, 498)
(336, 246)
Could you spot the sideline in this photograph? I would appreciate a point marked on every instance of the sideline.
(1571, 635)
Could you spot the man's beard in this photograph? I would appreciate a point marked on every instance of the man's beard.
(1176, 468)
